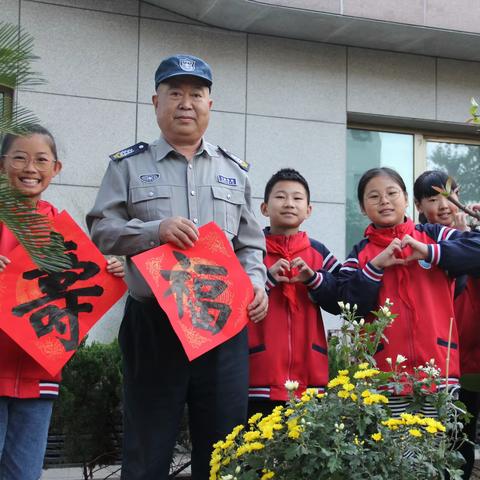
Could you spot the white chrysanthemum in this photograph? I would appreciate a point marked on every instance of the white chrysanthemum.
(291, 385)
(400, 359)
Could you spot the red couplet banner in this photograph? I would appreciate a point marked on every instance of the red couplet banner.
(48, 314)
(203, 289)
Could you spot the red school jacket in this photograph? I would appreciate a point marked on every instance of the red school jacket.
(20, 375)
(421, 292)
(290, 344)
(467, 311)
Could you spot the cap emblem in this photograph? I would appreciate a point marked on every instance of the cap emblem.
(187, 64)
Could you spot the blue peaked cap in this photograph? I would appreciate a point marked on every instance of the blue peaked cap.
(178, 65)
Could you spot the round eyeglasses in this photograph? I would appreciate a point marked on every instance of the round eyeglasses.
(375, 198)
(20, 160)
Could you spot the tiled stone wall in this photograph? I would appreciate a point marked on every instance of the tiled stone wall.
(277, 102)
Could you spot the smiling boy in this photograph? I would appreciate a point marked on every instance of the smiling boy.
(290, 343)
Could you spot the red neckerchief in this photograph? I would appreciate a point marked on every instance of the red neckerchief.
(383, 237)
(288, 247)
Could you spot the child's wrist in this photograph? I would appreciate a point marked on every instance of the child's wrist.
(271, 282)
(314, 281)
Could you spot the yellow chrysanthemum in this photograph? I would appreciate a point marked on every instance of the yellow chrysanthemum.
(363, 366)
(267, 474)
(251, 436)
(340, 380)
(255, 418)
(374, 398)
(431, 422)
(295, 432)
(415, 432)
(377, 436)
(371, 372)
(356, 441)
(248, 447)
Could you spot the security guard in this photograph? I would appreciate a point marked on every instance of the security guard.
(158, 193)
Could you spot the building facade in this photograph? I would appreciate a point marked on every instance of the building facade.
(329, 87)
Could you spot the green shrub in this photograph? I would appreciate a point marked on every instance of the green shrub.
(88, 412)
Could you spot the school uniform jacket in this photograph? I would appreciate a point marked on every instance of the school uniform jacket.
(421, 292)
(20, 375)
(290, 344)
(467, 311)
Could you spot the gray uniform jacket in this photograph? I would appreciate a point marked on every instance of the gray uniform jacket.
(140, 191)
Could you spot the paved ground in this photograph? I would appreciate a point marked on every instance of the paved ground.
(476, 472)
(113, 473)
(110, 473)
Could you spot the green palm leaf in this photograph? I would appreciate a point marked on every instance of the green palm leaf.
(32, 230)
(16, 57)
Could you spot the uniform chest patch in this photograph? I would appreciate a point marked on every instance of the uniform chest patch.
(149, 178)
(226, 180)
(425, 265)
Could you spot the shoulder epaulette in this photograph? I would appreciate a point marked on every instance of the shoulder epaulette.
(241, 163)
(130, 151)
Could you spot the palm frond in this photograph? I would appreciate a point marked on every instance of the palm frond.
(18, 123)
(32, 230)
(16, 57)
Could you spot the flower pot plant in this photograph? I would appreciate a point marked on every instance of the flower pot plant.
(348, 431)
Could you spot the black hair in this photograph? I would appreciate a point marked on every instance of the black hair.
(422, 187)
(288, 175)
(9, 138)
(378, 172)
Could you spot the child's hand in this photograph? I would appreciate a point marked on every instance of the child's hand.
(420, 249)
(474, 206)
(4, 261)
(278, 270)
(304, 271)
(387, 258)
(460, 221)
(115, 267)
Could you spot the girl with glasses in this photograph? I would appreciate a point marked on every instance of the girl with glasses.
(27, 390)
(414, 266)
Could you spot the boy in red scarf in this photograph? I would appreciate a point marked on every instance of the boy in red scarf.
(290, 343)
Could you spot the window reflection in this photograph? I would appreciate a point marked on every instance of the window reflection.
(370, 149)
(461, 161)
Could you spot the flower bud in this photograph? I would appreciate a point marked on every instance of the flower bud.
(291, 385)
(400, 359)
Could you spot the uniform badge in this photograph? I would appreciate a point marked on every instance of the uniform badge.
(187, 64)
(149, 178)
(241, 163)
(130, 151)
(425, 265)
(226, 180)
